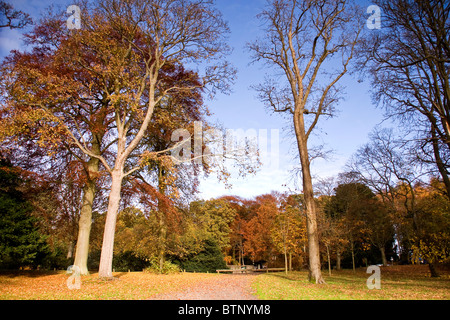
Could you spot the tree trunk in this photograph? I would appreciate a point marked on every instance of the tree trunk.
(241, 252)
(161, 217)
(84, 228)
(338, 259)
(85, 221)
(329, 260)
(162, 241)
(308, 192)
(433, 271)
(353, 256)
(290, 261)
(70, 250)
(106, 258)
(383, 256)
(285, 260)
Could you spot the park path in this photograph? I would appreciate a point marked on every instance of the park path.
(222, 287)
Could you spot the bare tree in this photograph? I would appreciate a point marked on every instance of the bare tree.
(385, 162)
(303, 39)
(408, 60)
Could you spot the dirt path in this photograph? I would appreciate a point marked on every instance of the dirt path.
(222, 287)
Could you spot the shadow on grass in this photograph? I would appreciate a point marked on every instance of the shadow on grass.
(28, 273)
(294, 276)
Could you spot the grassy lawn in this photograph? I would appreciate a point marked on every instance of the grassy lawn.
(397, 282)
(132, 285)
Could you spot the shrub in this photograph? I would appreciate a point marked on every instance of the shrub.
(167, 268)
(129, 261)
(208, 260)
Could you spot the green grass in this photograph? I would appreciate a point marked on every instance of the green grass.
(397, 282)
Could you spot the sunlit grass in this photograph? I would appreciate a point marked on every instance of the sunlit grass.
(398, 282)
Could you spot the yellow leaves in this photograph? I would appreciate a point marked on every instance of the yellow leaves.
(432, 248)
(150, 158)
(31, 123)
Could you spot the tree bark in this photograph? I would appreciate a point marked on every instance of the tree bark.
(433, 271)
(383, 256)
(329, 260)
(106, 258)
(311, 217)
(70, 250)
(162, 241)
(290, 261)
(162, 236)
(285, 260)
(353, 255)
(85, 221)
(338, 259)
(84, 228)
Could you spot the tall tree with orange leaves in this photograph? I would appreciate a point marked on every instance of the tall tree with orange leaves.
(134, 50)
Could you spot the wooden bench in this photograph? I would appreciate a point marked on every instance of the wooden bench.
(268, 269)
(234, 270)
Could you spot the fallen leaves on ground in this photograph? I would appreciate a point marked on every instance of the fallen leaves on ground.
(397, 282)
(126, 285)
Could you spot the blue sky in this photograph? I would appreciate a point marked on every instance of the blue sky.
(241, 109)
(343, 134)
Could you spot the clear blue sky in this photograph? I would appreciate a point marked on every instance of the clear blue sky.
(241, 110)
(343, 134)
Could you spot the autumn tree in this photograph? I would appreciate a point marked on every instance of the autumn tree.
(257, 229)
(289, 230)
(215, 216)
(311, 43)
(348, 207)
(135, 51)
(243, 208)
(136, 233)
(380, 228)
(332, 227)
(58, 204)
(333, 233)
(408, 63)
(37, 109)
(431, 241)
(387, 166)
(154, 34)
